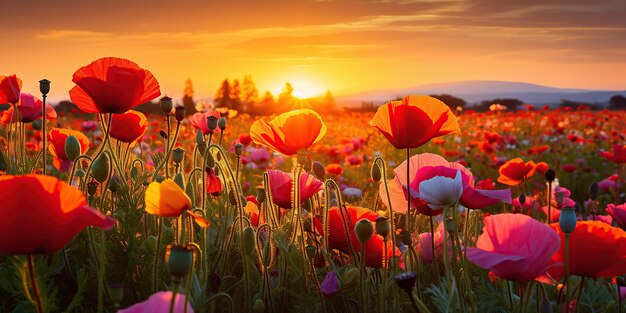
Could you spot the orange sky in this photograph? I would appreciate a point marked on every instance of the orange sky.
(346, 46)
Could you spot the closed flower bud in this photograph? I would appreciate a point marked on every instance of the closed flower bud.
(36, 124)
(405, 237)
(210, 161)
(92, 187)
(267, 255)
(382, 226)
(319, 170)
(232, 198)
(158, 179)
(179, 180)
(238, 149)
(163, 134)
(450, 226)
(406, 281)
(180, 261)
(594, 190)
(258, 306)
(248, 240)
(190, 190)
(178, 154)
(72, 148)
(550, 175)
(375, 173)
(180, 113)
(567, 220)
(243, 200)
(166, 105)
(522, 198)
(116, 291)
(260, 195)
(150, 243)
(211, 123)
(200, 139)
(44, 86)
(364, 230)
(310, 251)
(100, 168)
(115, 184)
(134, 172)
(221, 123)
(350, 278)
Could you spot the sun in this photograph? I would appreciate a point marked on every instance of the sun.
(303, 89)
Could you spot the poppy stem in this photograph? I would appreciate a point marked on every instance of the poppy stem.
(432, 245)
(392, 223)
(567, 286)
(33, 283)
(361, 269)
(549, 201)
(619, 300)
(43, 134)
(167, 144)
(408, 190)
(173, 301)
(156, 253)
(580, 292)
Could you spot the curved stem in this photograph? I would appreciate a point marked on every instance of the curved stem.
(381, 163)
(100, 150)
(33, 282)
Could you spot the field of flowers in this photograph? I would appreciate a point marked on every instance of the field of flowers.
(414, 208)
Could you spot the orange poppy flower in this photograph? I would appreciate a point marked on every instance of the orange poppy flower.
(48, 215)
(128, 127)
(414, 120)
(112, 85)
(514, 171)
(596, 250)
(10, 87)
(167, 199)
(56, 139)
(289, 132)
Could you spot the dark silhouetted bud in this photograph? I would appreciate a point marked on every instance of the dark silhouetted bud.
(166, 105)
(179, 180)
(405, 237)
(406, 281)
(180, 113)
(178, 154)
(100, 168)
(116, 291)
(267, 254)
(179, 261)
(522, 198)
(364, 230)
(260, 195)
(134, 172)
(211, 122)
(92, 187)
(44, 86)
(72, 148)
(221, 123)
(248, 240)
(375, 173)
(310, 251)
(594, 190)
(115, 184)
(567, 220)
(550, 175)
(163, 134)
(36, 124)
(200, 139)
(450, 226)
(319, 170)
(210, 161)
(382, 226)
(238, 149)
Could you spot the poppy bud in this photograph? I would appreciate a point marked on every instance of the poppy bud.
(243, 200)
(211, 122)
(92, 187)
(44, 86)
(180, 113)
(375, 172)
(179, 261)
(232, 198)
(522, 198)
(319, 170)
(382, 226)
(594, 190)
(258, 306)
(364, 230)
(100, 168)
(567, 220)
(308, 165)
(221, 123)
(178, 154)
(116, 291)
(405, 237)
(260, 195)
(406, 281)
(115, 183)
(210, 161)
(36, 124)
(72, 148)
(163, 134)
(620, 282)
(79, 172)
(550, 175)
(267, 255)
(199, 139)
(166, 105)
(158, 179)
(150, 243)
(350, 278)
(134, 172)
(310, 251)
(248, 240)
(238, 149)
(179, 180)
(450, 226)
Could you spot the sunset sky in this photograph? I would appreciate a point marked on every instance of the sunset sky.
(345, 46)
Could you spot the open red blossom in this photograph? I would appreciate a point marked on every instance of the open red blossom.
(48, 215)
(10, 87)
(128, 127)
(618, 155)
(513, 172)
(414, 120)
(112, 85)
(57, 138)
(29, 108)
(281, 185)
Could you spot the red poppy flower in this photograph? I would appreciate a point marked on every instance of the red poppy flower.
(47, 215)
(289, 132)
(414, 120)
(281, 186)
(10, 87)
(128, 127)
(56, 138)
(514, 171)
(596, 250)
(618, 155)
(541, 167)
(213, 183)
(491, 137)
(245, 139)
(112, 85)
(198, 120)
(334, 169)
(354, 160)
(29, 108)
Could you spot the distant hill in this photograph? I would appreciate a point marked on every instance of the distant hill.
(474, 91)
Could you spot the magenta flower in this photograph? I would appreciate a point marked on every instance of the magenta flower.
(618, 212)
(281, 185)
(330, 285)
(515, 247)
(159, 303)
(198, 120)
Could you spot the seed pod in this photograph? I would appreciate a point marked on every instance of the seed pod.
(375, 173)
(44, 86)
(248, 240)
(179, 261)
(178, 154)
(567, 220)
(364, 230)
(221, 123)
(211, 123)
(180, 113)
(72, 148)
(166, 105)
(238, 149)
(100, 168)
(382, 226)
(319, 170)
(550, 175)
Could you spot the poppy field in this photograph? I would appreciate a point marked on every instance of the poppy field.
(416, 207)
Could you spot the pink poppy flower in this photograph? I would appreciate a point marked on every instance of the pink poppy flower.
(424, 246)
(198, 120)
(159, 303)
(281, 185)
(618, 212)
(330, 285)
(515, 247)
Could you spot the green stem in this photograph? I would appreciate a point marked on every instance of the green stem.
(580, 292)
(159, 224)
(567, 286)
(33, 282)
(361, 268)
(173, 301)
(408, 190)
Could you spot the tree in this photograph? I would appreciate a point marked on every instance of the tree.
(249, 93)
(235, 96)
(222, 98)
(511, 104)
(188, 102)
(617, 102)
(265, 106)
(451, 101)
(329, 102)
(285, 99)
